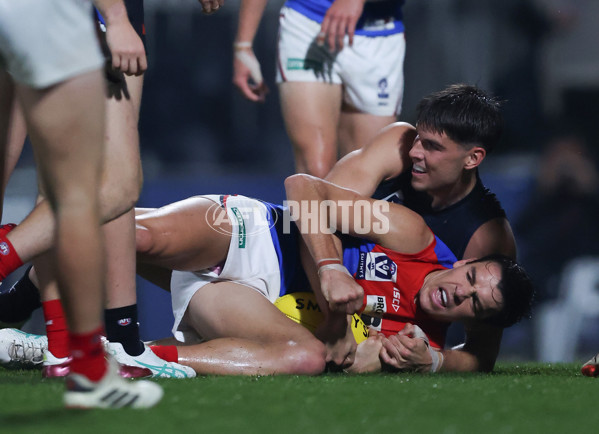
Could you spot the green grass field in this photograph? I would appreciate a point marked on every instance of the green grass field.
(516, 398)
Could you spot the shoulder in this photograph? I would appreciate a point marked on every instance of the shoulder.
(493, 236)
(391, 145)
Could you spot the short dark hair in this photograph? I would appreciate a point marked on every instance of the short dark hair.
(516, 290)
(465, 113)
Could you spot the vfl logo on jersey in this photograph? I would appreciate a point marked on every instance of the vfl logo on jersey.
(383, 94)
(376, 305)
(376, 267)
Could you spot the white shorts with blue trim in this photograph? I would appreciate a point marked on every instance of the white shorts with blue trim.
(252, 261)
(370, 71)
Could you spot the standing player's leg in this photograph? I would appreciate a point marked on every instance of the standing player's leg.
(311, 113)
(356, 129)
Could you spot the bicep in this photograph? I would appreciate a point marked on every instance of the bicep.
(494, 236)
(386, 156)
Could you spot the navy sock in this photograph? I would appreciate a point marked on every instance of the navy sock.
(17, 304)
(122, 327)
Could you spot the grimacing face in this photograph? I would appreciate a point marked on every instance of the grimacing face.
(437, 161)
(466, 292)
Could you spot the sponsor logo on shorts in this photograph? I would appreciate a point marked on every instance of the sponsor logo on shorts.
(4, 249)
(383, 94)
(249, 219)
(241, 226)
(299, 64)
(376, 266)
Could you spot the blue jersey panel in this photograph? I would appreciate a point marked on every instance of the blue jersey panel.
(380, 18)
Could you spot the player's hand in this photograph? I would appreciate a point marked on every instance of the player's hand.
(336, 334)
(126, 48)
(211, 6)
(247, 75)
(367, 355)
(341, 291)
(340, 20)
(406, 351)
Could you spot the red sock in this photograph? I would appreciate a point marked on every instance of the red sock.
(166, 352)
(9, 259)
(88, 354)
(56, 328)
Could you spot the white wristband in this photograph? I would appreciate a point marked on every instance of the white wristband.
(250, 61)
(437, 357)
(242, 44)
(337, 267)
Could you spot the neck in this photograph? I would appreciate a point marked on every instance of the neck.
(444, 197)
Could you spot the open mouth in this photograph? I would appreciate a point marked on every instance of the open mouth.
(417, 169)
(443, 297)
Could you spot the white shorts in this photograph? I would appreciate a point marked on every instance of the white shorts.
(44, 42)
(252, 261)
(371, 71)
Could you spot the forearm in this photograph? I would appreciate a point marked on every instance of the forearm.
(113, 11)
(250, 15)
(304, 199)
(463, 361)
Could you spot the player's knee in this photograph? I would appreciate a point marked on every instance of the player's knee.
(305, 358)
(143, 239)
(120, 195)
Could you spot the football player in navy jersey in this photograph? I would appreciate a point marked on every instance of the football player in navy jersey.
(433, 169)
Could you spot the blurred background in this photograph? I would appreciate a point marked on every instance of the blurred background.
(198, 136)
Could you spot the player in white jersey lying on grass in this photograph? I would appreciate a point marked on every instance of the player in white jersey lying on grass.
(226, 259)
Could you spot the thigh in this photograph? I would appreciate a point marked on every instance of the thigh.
(122, 175)
(311, 114)
(66, 126)
(228, 309)
(357, 129)
(182, 235)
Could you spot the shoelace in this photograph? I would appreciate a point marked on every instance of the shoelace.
(28, 353)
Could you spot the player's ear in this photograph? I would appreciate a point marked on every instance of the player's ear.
(475, 156)
(460, 263)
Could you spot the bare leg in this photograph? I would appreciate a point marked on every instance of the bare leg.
(179, 237)
(311, 113)
(121, 179)
(357, 129)
(248, 335)
(68, 133)
(11, 149)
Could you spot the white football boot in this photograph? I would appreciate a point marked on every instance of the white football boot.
(111, 391)
(21, 350)
(159, 367)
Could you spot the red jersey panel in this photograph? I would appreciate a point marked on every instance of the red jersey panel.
(391, 281)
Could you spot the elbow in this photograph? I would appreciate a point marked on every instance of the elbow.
(296, 183)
